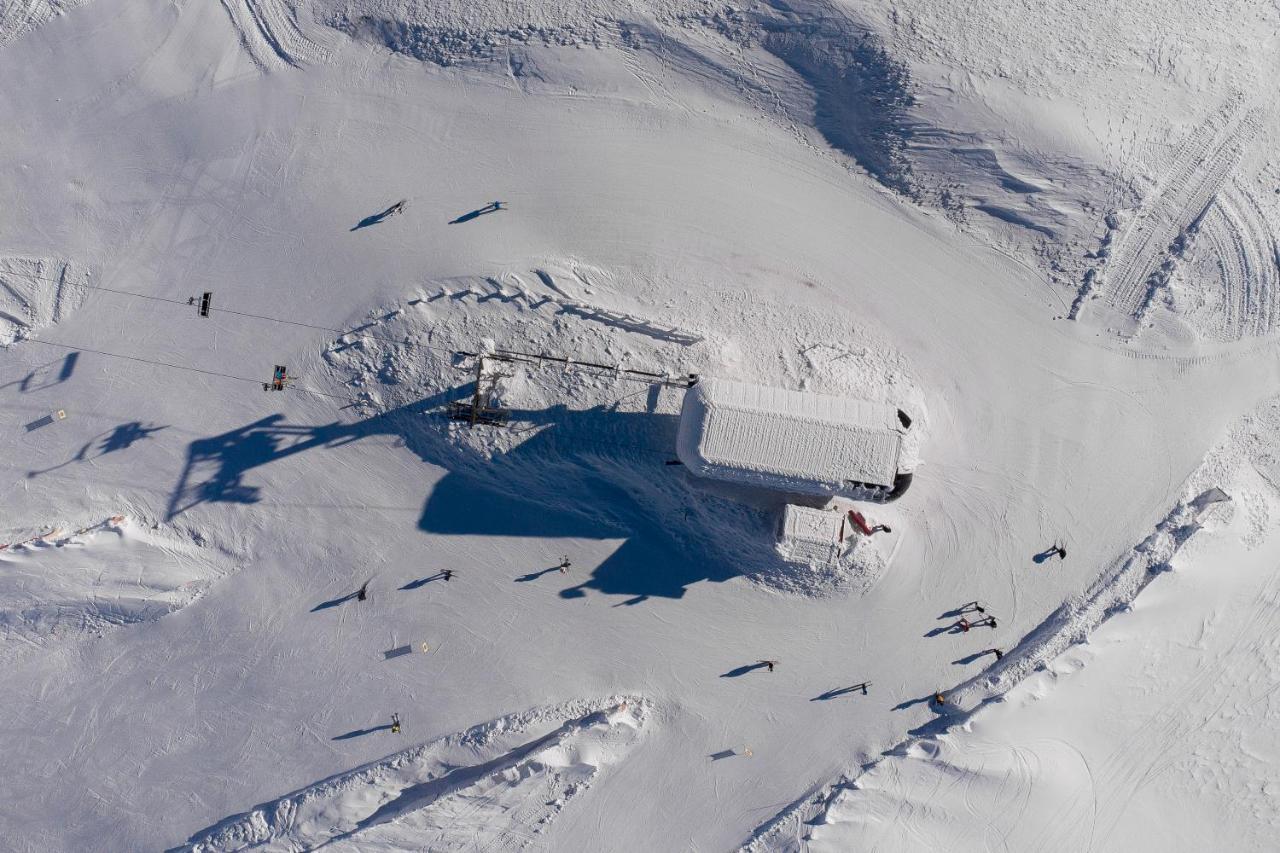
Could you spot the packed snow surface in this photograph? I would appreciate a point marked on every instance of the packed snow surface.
(1052, 244)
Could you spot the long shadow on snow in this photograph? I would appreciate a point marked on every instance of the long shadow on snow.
(567, 477)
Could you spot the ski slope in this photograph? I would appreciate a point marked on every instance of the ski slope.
(685, 188)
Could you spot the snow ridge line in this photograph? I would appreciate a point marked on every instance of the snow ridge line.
(374, 796)
(1069, 625)
(594, 313)
(1188, 188)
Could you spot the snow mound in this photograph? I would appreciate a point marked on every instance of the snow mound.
(63, 583)
(494, 786)
(825, 541)
(37, 292)
(593, 442)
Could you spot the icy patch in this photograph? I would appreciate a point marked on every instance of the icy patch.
(37, 292)
(496, 786)
(61, 583)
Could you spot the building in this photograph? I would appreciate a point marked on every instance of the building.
(792, 441)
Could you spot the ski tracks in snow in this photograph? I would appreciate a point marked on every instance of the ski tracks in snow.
(272, 35)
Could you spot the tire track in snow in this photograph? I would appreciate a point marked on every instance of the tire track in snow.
(1193, 180)
(1237, 234)
(271, 35)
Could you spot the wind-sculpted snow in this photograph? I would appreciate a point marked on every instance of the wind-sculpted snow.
(69, 581)
(495, 786)
(37, 292)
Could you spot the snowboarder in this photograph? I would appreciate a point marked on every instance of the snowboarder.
(769, 663)
(939, 699)
(448, 573)
(363, 592)
(564, 565)
(395, 724)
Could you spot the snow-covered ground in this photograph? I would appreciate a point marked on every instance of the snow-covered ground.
(1064, 271)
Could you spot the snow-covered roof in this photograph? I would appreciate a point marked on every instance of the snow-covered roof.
(788, 440)
(809, 535)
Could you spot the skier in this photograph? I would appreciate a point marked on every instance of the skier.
(999, 654)
(964, 625)
(990, 622)
(564, 565)
(395, 724)
(448, 573)
(1062, 552)
(363, 592)
(939, 699)
(770, 663)
(882, 528)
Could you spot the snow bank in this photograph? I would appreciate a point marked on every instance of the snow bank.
(499, 783)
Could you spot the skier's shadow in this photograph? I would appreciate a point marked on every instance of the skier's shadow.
(421, 582)
(533, 576)
(476, 214)
(386, 727)
(976, 656)
(840, 691)
(740, 671)
(910, 703)
(334, 602)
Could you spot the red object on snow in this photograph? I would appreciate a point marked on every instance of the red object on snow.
(856, 518)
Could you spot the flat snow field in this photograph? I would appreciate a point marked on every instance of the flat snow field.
(200, 674)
